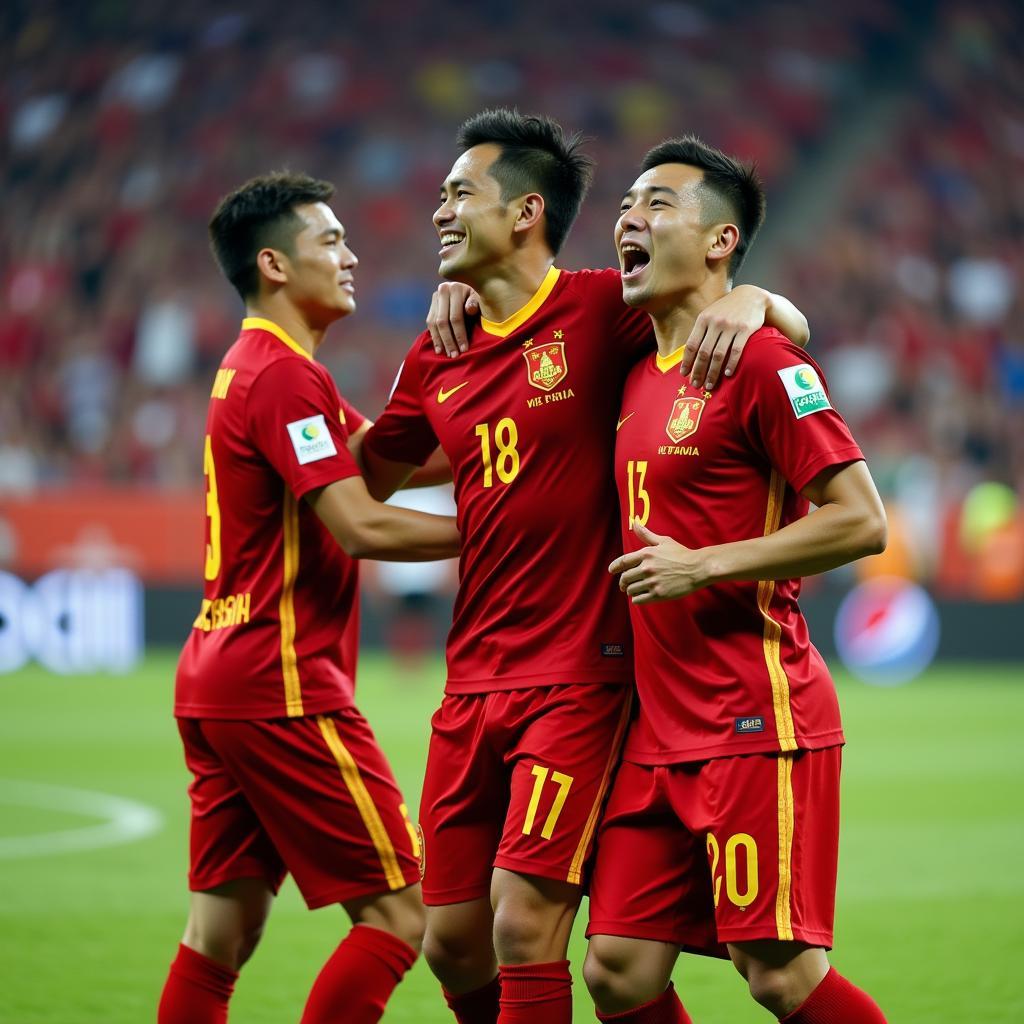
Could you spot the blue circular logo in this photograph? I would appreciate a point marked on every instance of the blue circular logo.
(887, 631)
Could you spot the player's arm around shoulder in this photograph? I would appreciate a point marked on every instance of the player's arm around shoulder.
(721, 332)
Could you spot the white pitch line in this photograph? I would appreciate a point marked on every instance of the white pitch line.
(126, 820)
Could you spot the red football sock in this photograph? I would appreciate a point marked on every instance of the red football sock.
(354, 985)
(535, 993)
(666, 1009)
(197, 990)
(836, 1001)
(477, 1007)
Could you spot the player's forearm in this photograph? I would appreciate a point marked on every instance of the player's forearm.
(403, 535)
(436, 470)
(382, 476)
(827, 538)
(781, 314)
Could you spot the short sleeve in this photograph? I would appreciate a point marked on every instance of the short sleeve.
(294, 418)
(402, 432)
(631, 328)
(351, 418)
(780, 400)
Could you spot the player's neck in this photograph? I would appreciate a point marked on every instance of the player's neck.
(511, 286)
(290, 320)
(674, 322)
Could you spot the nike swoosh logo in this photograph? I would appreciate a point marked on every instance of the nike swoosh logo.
(443, 396)
(618, 426)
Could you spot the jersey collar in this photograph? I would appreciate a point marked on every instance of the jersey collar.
(257, 323)
(517, 319)
(665, 363)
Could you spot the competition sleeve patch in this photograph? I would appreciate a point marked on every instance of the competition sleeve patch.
(311, 439)
(805, 390)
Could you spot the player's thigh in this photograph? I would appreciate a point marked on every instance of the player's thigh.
(562, 762)
(326, 795)
(462, 808)
(772, 842)
(650, 879)
(227, 840)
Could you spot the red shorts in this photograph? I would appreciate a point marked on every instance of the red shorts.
(727, 850)
(516, 780)
(314, 796)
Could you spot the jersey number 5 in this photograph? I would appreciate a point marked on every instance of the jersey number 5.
(212, 570)
(506, 437)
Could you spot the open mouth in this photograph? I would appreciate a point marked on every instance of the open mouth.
(449, 240)
(634, 259)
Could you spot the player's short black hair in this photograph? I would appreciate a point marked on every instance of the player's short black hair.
(536, 156)
(260, 215)
(731, 191)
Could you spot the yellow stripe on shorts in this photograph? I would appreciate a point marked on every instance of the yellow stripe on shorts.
(575, 875)
(364, 802)
(783, 898)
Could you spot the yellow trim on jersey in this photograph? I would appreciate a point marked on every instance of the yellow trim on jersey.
(665, 363)
(576, 867)
(364, 803)
(772, 630)
(257, 323)
(517, 319)
(286, 607)
(783, 898)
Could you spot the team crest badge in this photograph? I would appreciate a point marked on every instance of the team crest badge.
(547, 365)
(684, 418)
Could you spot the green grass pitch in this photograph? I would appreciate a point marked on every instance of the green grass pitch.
(931, 890)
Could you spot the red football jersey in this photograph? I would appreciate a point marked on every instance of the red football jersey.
(729, 669)
(278, 628)
(527, 420)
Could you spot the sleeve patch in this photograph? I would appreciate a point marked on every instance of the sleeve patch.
(311, 439)
(805, 390)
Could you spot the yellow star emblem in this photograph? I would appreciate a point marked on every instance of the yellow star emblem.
(707, 394)
(558, 335)
(681, 391)
(528, 343)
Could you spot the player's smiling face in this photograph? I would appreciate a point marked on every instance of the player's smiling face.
(320, 266)
(474, 225)
(662, 238)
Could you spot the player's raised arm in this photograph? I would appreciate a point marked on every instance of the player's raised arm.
(365, 528)
(721, 332)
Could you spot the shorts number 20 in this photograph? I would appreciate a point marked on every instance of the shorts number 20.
(735, 843)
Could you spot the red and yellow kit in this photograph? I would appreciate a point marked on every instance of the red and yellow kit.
(729, 669)
(527, 420)
(278, 628)
(539, 655)
(287, 774)
(723, 823)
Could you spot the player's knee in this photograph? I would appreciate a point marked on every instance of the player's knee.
(450, 953)
(521, 934)
(249, 941)
(773, 987)
(231, 947)
(615, 980)
(401, 914)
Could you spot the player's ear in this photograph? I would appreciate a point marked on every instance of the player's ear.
(272, 265)
(723, 242)
(531, 210)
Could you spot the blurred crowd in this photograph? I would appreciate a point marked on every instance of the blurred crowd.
(124, 124)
